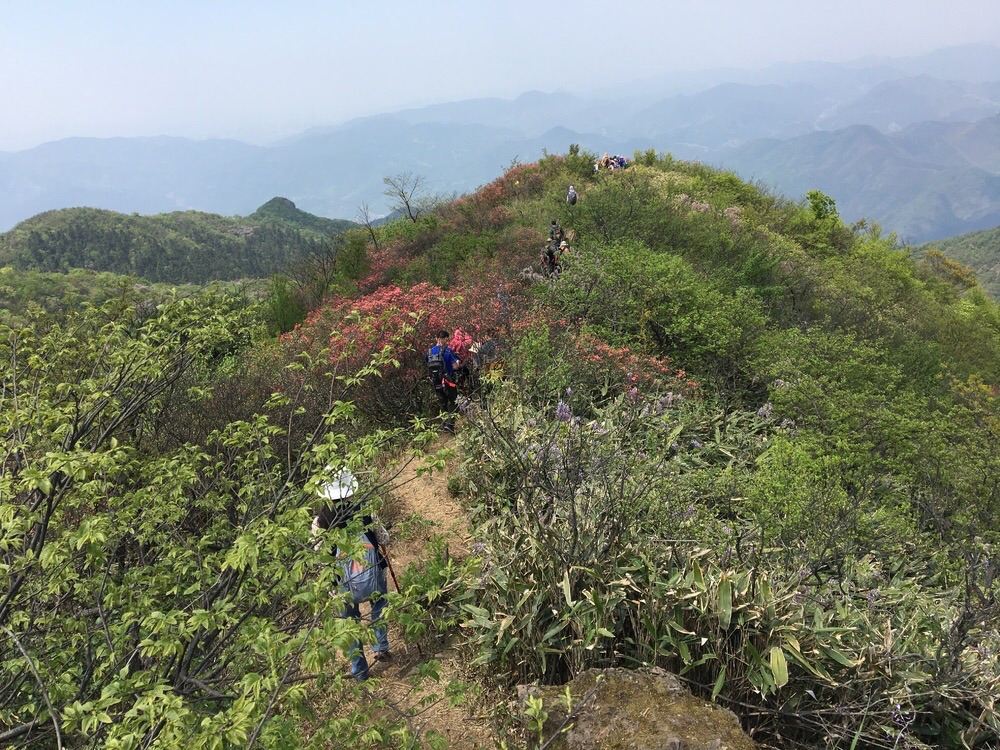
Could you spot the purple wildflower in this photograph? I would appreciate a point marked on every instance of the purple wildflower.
(563, 412)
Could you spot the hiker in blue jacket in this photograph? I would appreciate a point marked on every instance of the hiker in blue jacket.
(338, 510)
(441, 363)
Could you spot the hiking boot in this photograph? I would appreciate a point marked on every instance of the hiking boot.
(382, 656)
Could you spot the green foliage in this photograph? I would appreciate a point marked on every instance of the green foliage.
(976, 251)
(433, 592)
(575, 167)
(627, 205)
(647, 158)
(591, 559)
(21, 291)
(325, 270)
(566, 504)
(155, 591)
(660, 302)
(285, 311)
(441, 261)
(735, 438)
(818, 226)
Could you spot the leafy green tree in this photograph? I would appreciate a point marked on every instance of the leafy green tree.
(155, 593)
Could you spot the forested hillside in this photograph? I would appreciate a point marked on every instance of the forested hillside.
(180, 247)
(724, 433)
(284, 211)
(980, 251)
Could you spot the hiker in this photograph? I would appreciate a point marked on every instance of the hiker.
(571, 196)
(556, 233)
(489, 352)
(460, 345)
(551, 259)
(363, 580)
(441, 362)
(565, 249)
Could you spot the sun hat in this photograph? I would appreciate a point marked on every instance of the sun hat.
(341, 486)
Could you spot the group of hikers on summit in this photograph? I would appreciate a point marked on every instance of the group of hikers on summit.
(610, 162)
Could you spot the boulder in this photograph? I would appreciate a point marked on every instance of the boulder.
(642, 709)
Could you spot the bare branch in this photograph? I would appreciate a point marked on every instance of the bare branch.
(41, 685)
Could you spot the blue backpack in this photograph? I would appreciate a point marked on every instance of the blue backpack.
(362, 577)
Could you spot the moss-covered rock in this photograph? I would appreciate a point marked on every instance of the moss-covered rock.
(623, 709)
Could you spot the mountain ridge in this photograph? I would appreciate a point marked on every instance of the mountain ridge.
(176, 247)
(457, 146)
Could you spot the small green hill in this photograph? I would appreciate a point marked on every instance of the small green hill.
(980, 251)
(284, 211)
(178, 247)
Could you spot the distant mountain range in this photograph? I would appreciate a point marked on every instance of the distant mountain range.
(913, 143)
(927, 181)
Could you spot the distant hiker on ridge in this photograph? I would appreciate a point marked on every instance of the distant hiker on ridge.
(550, 259)
(571, 196)
(556, 233)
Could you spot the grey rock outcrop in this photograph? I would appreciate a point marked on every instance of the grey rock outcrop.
(624, 709)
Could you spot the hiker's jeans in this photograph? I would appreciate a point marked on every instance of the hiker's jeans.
(359, 664)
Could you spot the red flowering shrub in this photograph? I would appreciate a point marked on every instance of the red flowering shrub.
(383, 264)
(620, 368)
(486, 208)
(401, 323)
(522, 181)
(479, 225)
(552, 356)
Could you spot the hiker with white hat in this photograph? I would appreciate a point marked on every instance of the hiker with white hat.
(363, 579)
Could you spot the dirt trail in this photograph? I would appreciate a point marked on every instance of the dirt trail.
(426, 496)
(426, 509)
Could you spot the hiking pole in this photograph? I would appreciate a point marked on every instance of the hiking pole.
(389, 565)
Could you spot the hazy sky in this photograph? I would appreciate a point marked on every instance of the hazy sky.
(256, 69)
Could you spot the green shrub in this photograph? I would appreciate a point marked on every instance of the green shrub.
(591, 559)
